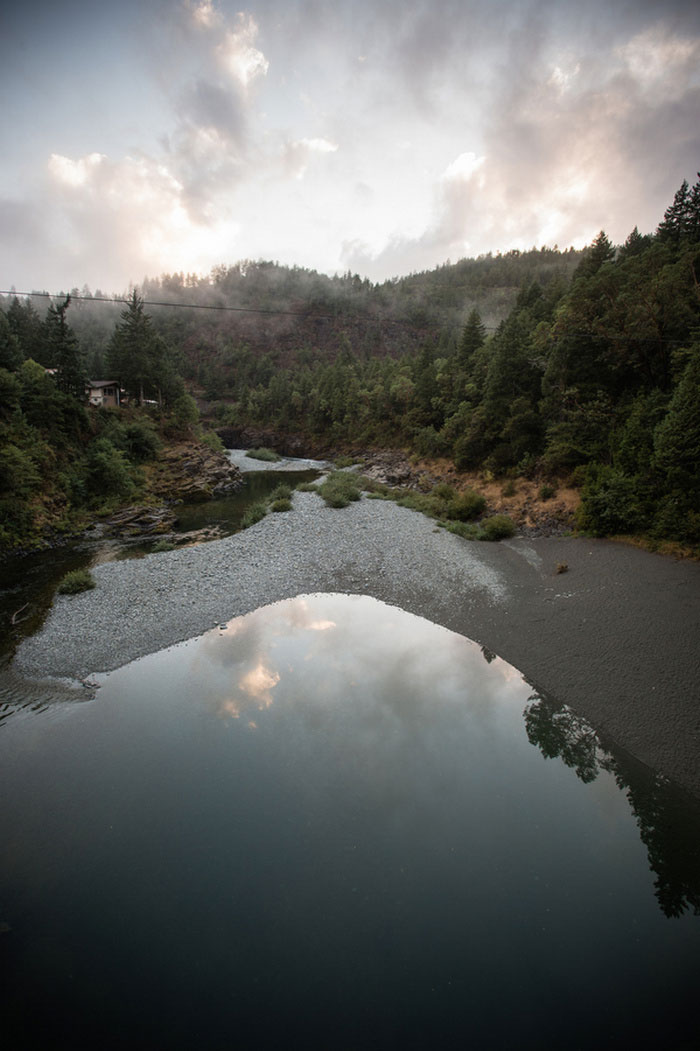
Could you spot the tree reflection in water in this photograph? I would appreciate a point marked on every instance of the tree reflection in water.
(668, 817)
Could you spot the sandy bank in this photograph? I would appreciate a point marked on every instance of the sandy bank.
(617, 637)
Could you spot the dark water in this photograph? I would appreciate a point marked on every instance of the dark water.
(28, 584)
(329, 826)
(228, 511)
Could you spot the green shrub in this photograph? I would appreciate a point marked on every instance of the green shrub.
(497, 527)
(547, 492)
(163, 545)
(212, 441)
(75, 581)
(16, 523)
(423, 502)
(429, 442)
(444, 491)
(254, 514)
(268, 455)
(611, 502)
(509, 488)
(467, 530)
(466, 506)
(340, 488)
(307, 487)
(370, 485)
(344, 461)
(107, 473)
(281, 492)
(281, 505)
(18, 472)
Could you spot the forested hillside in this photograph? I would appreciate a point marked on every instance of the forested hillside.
(554, 365)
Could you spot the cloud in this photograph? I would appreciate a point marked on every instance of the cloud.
(574, 141)
(297, 155)
(212, 135)
(130, 215)
(238, 54)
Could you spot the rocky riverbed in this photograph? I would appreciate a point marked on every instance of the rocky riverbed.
(615, 636)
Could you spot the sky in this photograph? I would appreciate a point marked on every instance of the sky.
(385, 137)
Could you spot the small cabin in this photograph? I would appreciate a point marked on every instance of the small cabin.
(103, 393)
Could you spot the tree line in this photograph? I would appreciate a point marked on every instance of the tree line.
(582, 366)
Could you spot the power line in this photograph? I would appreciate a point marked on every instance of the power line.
(273, 312)
(116, 300)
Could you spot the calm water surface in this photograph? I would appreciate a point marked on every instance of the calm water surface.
(329, 825)
(28, 584)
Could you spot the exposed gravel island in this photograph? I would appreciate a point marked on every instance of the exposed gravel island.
(616, 636)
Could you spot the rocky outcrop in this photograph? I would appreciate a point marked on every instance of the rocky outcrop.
(393, 468)
(138, 521)
(256, 437)
(192, 473)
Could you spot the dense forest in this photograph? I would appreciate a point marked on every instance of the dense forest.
(577, 366)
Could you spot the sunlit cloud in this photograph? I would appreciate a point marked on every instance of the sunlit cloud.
(74, 172)
(238, 53)
(137, 206)
(463, 167)
(258, 684)
(657, 58)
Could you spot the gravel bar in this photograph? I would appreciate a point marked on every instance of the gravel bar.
(616, 636)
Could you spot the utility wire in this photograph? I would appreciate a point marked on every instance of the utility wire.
(272, 312)
(212, 306)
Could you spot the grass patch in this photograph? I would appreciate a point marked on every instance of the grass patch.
(281, 492)
(443, 502)
(76, 581)
(307, 487)
(263, 453)
(281, 505)
(547, 492)
(344, 461)
(467, 530)
(255, 513)
(340, 489)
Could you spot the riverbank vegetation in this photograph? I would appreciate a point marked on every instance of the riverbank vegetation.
(563, 368)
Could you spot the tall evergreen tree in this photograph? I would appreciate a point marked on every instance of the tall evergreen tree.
(681, 221)
(132, 350)
(26, 326)
(601, 251)
(10, 351)
(472, 339)
(64, 351)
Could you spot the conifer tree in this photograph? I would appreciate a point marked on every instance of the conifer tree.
(64, 351)
(473, 338)
(132, 349)
(681, 221)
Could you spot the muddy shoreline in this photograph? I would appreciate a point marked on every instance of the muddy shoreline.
(615, 636)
